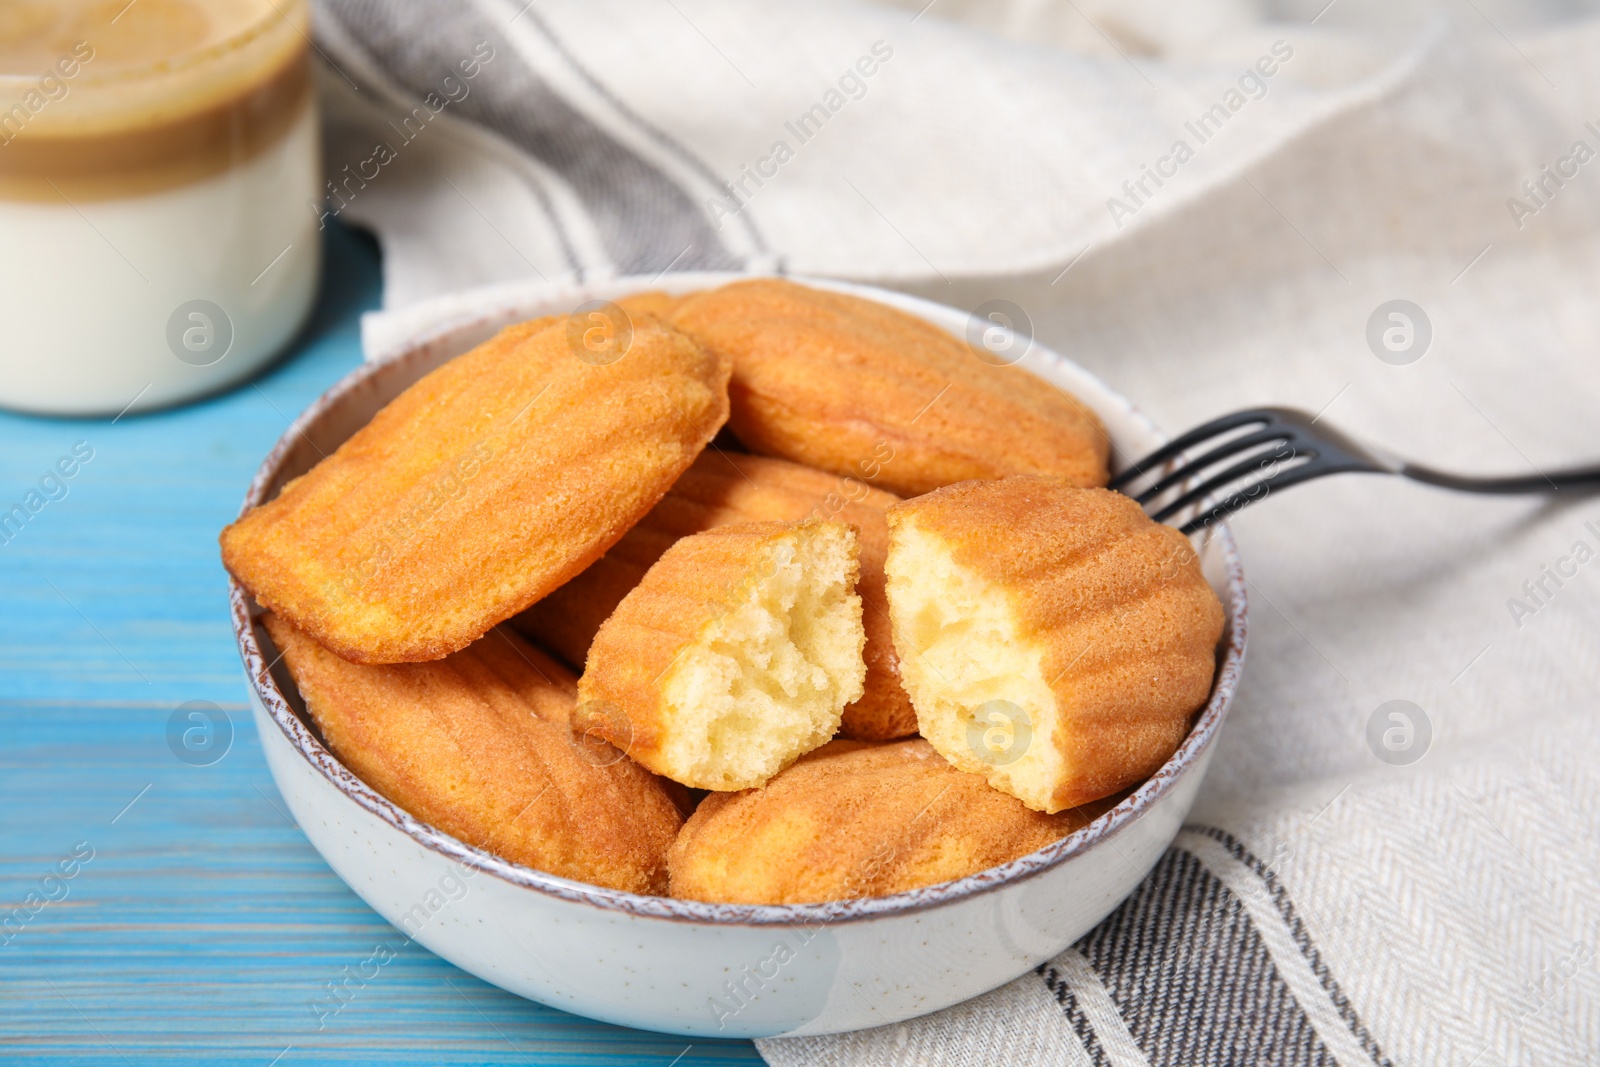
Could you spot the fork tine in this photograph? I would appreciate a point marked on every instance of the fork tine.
(1242, 499)
(1185, 441)
(1232, 446)
(1220, 481)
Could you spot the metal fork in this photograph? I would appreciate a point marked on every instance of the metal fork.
(1285, 448)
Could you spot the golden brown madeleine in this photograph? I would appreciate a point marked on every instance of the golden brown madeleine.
(652, 302)
(1052, 639)
(724, 488)
(478, 490)
(734, 656)
(855, 387)
(480, 745)
(855, 819)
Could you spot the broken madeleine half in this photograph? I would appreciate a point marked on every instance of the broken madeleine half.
(856, 387)
(1053, 639)
(719, 489)
(481, 745)
(855, 819)
(734, 656)
(482, 487)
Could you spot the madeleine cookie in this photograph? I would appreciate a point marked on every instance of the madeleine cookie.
(652, 302)
(480, 745)
(724, 488)
(856, 387)
(855, 819)
(734, 656)
(478, 490)
(1053, 639)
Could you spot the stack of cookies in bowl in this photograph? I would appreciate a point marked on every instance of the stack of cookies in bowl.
(763, 595)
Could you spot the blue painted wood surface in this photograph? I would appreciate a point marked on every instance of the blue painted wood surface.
(197, 924)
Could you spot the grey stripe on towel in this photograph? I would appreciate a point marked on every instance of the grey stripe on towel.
(1193, 980)
(646, 220)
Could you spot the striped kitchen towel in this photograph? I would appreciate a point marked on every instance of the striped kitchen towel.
(1395, 857)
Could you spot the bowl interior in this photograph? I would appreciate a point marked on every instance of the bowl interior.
(352, 402)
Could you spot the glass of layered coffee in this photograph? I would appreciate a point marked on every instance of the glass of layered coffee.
(156, 162)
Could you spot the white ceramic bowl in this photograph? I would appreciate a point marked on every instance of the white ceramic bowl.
(684, 967)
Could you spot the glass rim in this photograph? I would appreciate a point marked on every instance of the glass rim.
(153, 72)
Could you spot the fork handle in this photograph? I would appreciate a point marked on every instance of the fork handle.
(1551, 482)
(1542, 482)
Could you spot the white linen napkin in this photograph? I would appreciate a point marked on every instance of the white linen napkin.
(1354, 887)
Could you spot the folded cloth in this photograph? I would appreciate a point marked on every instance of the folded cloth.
(1212, 211)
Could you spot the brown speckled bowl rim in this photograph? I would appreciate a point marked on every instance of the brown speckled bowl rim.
(304, 741)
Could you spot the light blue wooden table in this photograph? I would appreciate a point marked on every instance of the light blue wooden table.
(197, 925)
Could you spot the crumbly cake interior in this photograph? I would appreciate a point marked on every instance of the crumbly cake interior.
(974, 676)
(767, 679)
